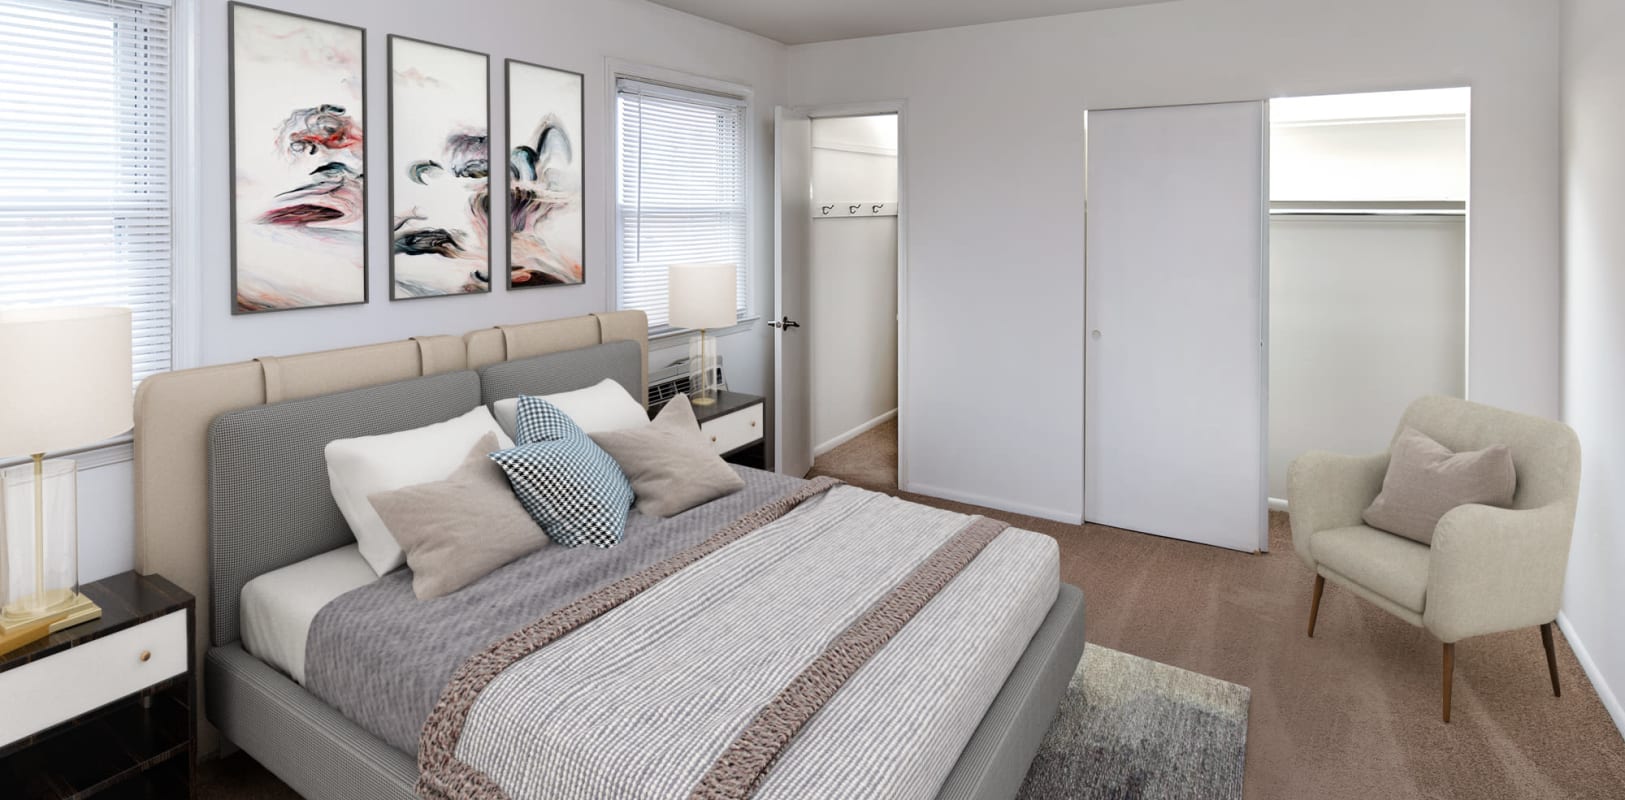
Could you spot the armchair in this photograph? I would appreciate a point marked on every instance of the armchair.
(1488, 570)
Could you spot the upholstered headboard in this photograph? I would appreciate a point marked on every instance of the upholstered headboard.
(563, 372)
(173, 412)
(269, 500)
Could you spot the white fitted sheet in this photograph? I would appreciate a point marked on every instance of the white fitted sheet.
(279, 606)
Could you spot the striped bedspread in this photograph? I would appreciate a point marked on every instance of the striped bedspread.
(786, 663)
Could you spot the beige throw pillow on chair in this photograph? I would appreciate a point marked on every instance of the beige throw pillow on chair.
(1425, 479)
(670, 464)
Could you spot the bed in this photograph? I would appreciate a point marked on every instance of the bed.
(328, 675)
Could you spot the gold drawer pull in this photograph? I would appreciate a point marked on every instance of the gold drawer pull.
(753, 423)
(146, 655)
(713, 438)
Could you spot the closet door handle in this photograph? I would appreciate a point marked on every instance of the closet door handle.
(1095, 334)
(784, 324)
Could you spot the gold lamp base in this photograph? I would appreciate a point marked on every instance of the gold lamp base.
(704, 394)
(66, 613)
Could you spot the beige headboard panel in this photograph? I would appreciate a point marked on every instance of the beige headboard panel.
(513, 342)
(173, 412)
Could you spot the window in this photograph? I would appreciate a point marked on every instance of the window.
(84, 161)
(680, 189)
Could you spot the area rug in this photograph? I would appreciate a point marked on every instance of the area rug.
(1134, 729)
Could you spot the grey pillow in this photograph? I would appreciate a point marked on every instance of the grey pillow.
(670, 464)
(1425, 479)
(459, 530)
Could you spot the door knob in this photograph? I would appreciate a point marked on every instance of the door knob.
(784, 324)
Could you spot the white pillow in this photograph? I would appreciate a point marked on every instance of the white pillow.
(366, 465)
(601, 408)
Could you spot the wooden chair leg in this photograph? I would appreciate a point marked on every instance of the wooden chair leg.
(1551, 657)
(1449, 673)
(1314, 604)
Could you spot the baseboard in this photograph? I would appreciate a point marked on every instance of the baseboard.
(1277, 504)
(994, 502)
(1610, 701)
(853, 434)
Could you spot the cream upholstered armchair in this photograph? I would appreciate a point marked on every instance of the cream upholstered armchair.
(1488, 570)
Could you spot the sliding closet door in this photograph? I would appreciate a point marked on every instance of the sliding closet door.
(1174, 431)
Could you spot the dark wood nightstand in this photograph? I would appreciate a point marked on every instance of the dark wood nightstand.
(735, 426)
(105, 709)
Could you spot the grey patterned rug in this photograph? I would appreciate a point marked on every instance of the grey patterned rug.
(1135, 729)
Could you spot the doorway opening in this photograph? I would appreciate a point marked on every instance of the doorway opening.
(1367, 267)
(852, 298)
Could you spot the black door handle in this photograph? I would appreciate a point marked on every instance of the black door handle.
(784, 324)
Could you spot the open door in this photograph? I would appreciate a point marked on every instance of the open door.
(792, 217)
(1174, 303)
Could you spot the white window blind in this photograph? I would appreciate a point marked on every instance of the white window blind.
(680, 196)
(84, 161)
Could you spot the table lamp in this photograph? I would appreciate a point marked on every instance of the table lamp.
(64, 383)
(701, 297)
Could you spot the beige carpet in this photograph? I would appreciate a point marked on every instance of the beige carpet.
(1352, 713)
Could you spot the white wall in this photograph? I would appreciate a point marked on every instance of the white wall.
(852, 316)
(994, 136)
(1594, 333)
(578, 36)
(1366, 315)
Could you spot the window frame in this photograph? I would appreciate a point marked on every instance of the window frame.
(617, 69)
(185, 208)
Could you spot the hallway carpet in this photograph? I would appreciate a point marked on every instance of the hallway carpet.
(1351, 713)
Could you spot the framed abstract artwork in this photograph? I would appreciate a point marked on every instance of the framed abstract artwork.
(546, 223)
(439, 170)
(298, 150)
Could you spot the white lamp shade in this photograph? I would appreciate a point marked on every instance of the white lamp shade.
(702, 295)
(64, 378)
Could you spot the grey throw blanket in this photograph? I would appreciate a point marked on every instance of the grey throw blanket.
(850, 646)
(382, 657)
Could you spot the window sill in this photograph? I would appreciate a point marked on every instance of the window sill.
(661, 338)
(116, 450)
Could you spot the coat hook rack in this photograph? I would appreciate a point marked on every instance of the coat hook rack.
(854, 209)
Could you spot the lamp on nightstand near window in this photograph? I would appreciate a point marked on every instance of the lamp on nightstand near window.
(701, 297)
(64, 383)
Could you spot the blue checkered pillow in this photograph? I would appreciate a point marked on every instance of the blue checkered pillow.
(570, 486)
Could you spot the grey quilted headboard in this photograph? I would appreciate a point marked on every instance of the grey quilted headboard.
(269, 502)
(567, 370)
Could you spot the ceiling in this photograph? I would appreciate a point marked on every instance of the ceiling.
(806, 21)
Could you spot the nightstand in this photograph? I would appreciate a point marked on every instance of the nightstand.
(735, 426)
(105, 709)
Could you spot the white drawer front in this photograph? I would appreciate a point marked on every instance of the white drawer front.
(42, 693)
(734, 430)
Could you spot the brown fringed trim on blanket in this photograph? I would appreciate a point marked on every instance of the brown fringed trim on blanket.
(740, 768)
(442, 776)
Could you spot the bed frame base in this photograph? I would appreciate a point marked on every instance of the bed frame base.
(324, 756)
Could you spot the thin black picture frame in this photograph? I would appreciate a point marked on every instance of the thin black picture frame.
(580, 153)
(231, 144)
(394, 172)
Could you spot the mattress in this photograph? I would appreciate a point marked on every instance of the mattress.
(279, 606)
